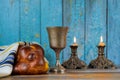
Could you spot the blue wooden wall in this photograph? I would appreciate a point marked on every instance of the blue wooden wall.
(26, 20)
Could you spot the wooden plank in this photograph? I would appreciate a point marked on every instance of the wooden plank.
(113, 31)
(67, 76)
(51, 15)
(9, 21)
(30, 18)
(73, 17)
(95, 27)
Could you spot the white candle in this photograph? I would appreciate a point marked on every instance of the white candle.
(75, 43)
(101, 39)
(74, 39)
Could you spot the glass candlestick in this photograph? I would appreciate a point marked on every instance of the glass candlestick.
(101, 62)
(74, 62)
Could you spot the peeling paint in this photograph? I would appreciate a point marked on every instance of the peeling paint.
(70, 2)
(81, 14)
(11, 2)
(37, 35)
(26, 9)
(26, 1)
(45, 45)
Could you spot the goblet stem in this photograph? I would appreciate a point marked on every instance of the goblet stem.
(59, 67)
(57, 51)
(58, 63)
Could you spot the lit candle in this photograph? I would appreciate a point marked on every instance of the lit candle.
(74, 39)
(75, 44)
(101, 41)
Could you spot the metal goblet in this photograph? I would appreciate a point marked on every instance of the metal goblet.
(57, 40)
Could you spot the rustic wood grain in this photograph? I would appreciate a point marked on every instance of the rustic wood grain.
(9, 21)
(73, 17)
(68, 76)
(30, 20)
(113, 31)
(26, 20)
(95, 27)
(51, 15)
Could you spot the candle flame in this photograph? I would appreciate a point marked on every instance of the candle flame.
(101, 39)
(74, 39)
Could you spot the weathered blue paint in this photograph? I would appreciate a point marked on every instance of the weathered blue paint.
(9, 21)
(95, 27)
(73, 17)
(114, 31)
(26, 20)
(51, 15)
(30, 15)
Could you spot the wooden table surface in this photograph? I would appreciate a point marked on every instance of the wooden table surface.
(71, 75)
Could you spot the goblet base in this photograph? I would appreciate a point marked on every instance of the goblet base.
(58, 69)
